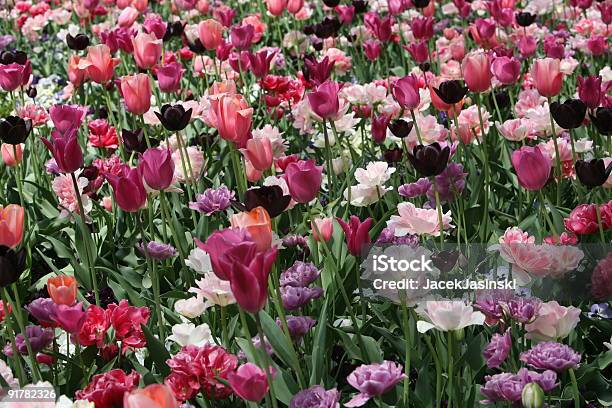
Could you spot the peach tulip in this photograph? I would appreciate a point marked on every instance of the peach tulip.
(232, 117)
(210, 33)
(12, 156)
(257, 223)
(147, 50)
(99, 64)
(136, 90)
(11, 225)
(547, 76)
(76, 75)
(152, 396)
(62, 289)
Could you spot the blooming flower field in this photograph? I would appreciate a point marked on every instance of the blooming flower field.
(201, 200)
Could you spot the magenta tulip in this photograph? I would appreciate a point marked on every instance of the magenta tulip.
(260, 62)
(589, 91)
(220, 242)
(372, 49)
(66, 118)
(65, 150)
(406, 92)
(169, 77)
(532, 167)
(157, 168)
(14, 75)
(69, 318)
(506, 70)
(324, 102)
(249, 382)
(304, 180)
(130, 192)
(357, 233)
(242, 37)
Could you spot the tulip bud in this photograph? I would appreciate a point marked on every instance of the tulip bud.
(532, 396)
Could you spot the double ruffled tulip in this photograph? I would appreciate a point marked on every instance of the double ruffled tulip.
(136, 91)
(129, 190)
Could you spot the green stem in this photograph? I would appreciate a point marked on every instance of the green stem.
(406, 324)
(266, 359)
(575, 388)
(450, 369)
(558, 170)
(11, 335)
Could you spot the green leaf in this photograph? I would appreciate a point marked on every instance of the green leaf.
(318, 350)
(278, 340)
(157, 351)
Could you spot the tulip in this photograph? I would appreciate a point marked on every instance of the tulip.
(151, 396)
(169, 77)
(506, 70)
(422, 27)
(527, 46)
(532, 396)
(147, 50)
(532, 167)
(272, 198)
(249, 382)
(593, 173)
(451, 92)
(69, 318)
(357, 233)
(477, 72)
(589, 90)
(128, 17)
(372, 49)
(12, 155)
(66, 118)
(525, 19)
(400, 128)
(241, 37)
(294, 6)
(569, 114)
(429, 160)
(322, 228)
(276, 7)
(14, 75)
(136, 91)
(547, 76)
(99, 65)
(303, 180)
(380, 27)
(15, 130)
(260, 62)
(324, 102)
(219, 243)
(174, 117)
(419, 51)
(232, 117)
(157, 168)
(258, 225)
(259, 153)
(130, 193)
(76, 75)
(77, 43)
(11, 225)
(154, 24)
(133, 141)
(62, 289)
(602, 119)
(345, 13)
(406, 92)
(379, 128)
(12, 263)
(317, 72)
(210, 33)
(65, 150)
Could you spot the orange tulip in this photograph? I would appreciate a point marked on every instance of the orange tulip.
(152, 396)
(233, 118)
(99, 64)
(257, 223)
(76, 75)
(11, 225)
(62, 289)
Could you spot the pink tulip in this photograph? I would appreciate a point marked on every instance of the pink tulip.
(303, 180)
(322, 228)
(9, 157)
(232, 117)
(249, 382)
(547, 76)
(70, 318)
(11, 225)
(532, 167)
(136, 91)
(221, 242)
(130, 193)
(14, 75)
(210, 33)
(99, 64)
(372, 49)
(527, 46)
(154, 24)
(66, 118)
(147, 50)
(295, 6)
(259, 153)
(506, 70)
(169, 77)
(127, 17)
(324, 101)
(276, 7)
(151, 396)
(242, 36)
(406, 92)
(477, 72)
